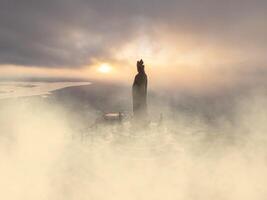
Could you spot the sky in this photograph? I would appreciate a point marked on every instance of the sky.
(213, 48)
(193, 44)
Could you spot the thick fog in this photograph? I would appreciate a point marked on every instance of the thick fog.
(49, 151)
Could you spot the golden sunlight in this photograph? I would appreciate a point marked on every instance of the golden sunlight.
(104, 68)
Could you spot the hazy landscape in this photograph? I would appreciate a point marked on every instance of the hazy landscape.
(204, 149)
(133, 100)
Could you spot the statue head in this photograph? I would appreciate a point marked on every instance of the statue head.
(140, 66)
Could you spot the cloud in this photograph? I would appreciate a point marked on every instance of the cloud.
(64, 33)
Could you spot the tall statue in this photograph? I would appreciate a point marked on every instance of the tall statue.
(139, 92)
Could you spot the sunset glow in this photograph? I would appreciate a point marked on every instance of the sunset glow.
(104, 68)
(133, 99)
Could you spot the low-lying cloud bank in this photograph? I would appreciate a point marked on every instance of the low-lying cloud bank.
(43, 156)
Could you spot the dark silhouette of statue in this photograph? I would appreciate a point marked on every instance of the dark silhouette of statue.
(139, 92)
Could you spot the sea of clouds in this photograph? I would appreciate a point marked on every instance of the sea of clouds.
(48, 153)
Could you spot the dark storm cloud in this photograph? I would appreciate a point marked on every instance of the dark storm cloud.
(60, 33)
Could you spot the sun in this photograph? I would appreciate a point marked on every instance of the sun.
(104, 68)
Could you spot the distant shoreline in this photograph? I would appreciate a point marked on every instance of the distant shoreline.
(26, 89)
